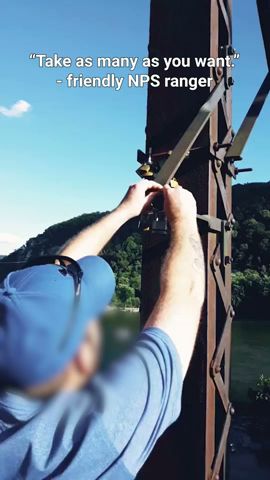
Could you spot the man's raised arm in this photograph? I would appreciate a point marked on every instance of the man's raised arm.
(94, 238)
(182, 283)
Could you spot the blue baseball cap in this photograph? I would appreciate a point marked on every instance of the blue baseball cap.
(36, 305)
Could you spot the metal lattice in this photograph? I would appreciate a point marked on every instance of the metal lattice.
(209, 135)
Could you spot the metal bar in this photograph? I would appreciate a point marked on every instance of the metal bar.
(224, 340)
(226, 18)
(211, 420)
(228, 284)
(219, 279)
(264, 15)
(172, 164)
(214, 224)
(222, 391)
(247, 126)
(222, 191)
(222, 447)
(223, 102)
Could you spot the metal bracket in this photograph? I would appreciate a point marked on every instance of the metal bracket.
(216, 362)
(181, 151)
(228, 51)
(214, 475)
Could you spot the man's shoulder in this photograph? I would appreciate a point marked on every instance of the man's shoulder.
(64, 436)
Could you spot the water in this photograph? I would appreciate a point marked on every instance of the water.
(250, 356)
(250, 348)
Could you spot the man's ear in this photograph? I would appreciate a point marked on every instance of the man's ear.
(83, 359)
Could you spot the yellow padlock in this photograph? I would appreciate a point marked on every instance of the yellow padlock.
(145, 168)
(174, 183)
(145, 171)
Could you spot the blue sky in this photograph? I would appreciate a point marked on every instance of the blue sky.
(74, 151)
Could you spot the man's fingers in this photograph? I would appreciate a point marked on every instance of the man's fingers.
(170, 192)
(149, 199)
(150, 185)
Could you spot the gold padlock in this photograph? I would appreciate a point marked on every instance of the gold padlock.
(145, 171)
(174, 183)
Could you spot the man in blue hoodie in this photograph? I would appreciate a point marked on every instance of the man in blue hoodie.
(57, 418)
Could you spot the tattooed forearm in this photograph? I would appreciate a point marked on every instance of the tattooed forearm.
(198, 252)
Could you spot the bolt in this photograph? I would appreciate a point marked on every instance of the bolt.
(228, 260)
(232, 448)
(243, 170)
(217, 477)
(232, 313)
(217, 146)
(232, 411)
(219, 71)
(218, 369)
(217, 262)
(231, 50)
(230, 82)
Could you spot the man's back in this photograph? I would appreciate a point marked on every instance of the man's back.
(106, 431)
(48, 347)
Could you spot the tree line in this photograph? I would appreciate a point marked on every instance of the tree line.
(251, 252)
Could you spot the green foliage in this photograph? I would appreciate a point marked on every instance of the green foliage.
(260, 396)
(125, 260)
(251, 290)
(251, 251)
(251, 246)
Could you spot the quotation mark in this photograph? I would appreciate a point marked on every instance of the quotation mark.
(236, 56)
(32, 56)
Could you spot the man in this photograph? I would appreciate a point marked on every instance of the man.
(54, 423)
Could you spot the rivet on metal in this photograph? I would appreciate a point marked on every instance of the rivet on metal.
(217, 262)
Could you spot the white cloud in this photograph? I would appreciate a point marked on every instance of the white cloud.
(9, 243)
(16, 110)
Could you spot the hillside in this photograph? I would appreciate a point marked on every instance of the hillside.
(251, 250)
(123, 253)
(252, 231)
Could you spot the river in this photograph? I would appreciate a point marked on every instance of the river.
(250, 348)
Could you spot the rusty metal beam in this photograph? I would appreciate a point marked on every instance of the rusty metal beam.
(195, 447)
(182, 149)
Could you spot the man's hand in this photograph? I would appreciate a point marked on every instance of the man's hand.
(180, 207)
(139, 197)
(182, 281)
(93, 239)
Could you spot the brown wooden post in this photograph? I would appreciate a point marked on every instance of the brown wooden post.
(193, 449)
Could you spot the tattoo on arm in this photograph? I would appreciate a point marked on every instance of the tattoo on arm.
(198, 252)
